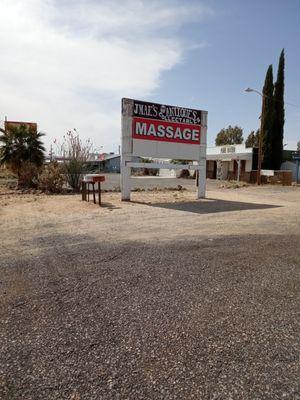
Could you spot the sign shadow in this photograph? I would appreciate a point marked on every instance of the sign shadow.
(209, 206)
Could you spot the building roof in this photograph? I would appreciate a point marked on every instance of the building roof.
(111, 156)
(229, 152)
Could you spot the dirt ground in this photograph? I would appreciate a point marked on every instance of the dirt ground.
(165, 297)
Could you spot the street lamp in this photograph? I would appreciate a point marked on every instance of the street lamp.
(258, 180)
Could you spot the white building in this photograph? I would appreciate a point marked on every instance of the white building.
(225, 162)
(231, 162)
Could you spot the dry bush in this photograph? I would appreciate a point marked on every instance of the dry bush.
(28, 175)
(150, 171)
(75, 153)
(184, 173)
(6, 174)
(7, 179)
(52, 179)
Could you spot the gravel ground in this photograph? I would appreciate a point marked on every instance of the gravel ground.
(162, 298)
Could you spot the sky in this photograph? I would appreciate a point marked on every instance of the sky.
(67, 63)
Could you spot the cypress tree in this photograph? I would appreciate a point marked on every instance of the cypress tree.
(268, 121)
(278, 122)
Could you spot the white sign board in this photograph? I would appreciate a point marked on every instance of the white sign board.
(267, 172)
(162, 131)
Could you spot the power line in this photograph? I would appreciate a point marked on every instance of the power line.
(291, 104)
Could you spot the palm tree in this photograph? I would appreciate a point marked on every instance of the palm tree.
(21, 149)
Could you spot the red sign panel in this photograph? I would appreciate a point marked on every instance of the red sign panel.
(165, 131)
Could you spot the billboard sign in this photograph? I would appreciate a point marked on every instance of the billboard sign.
(165, 131)
(161, 131)
(12, 124)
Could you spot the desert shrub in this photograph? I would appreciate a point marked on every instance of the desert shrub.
(74, 170)
(184, 173)
(28, 175)
(150, 171)
(5, 173)
(75, 154)
(52, 178)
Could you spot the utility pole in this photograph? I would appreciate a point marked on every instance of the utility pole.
(51, 153)
(260, 139)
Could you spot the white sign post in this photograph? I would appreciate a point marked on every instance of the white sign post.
(162, 131)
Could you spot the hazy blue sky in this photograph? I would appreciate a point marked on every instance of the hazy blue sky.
(67, 64)
(243, 38)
